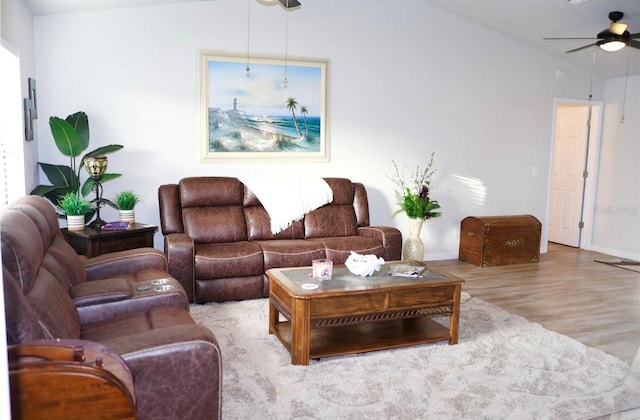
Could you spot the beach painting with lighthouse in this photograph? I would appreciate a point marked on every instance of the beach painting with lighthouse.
(263, 107)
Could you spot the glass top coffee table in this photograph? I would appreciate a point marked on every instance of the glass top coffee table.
(353, 314)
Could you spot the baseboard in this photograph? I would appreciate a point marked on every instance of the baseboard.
(439, 257)
(615, 252)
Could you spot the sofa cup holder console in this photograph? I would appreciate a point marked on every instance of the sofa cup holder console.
(158, 285)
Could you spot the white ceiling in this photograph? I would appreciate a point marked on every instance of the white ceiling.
(47, 7)
(528, 21)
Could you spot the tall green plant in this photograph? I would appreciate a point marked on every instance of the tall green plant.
(71, 136)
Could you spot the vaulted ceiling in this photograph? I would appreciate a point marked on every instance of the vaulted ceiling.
(527, 21)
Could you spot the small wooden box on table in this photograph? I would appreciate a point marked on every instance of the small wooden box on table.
(500, 240)
(93, 242)
(353, 314)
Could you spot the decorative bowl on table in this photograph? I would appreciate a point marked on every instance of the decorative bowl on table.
(363, 265)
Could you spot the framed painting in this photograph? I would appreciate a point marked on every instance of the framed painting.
(262, 108)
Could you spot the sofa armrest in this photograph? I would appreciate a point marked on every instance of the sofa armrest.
(184, 362)
(180, 253)
(391, 240)
(126, 262)
(100, 292)
(100, 300)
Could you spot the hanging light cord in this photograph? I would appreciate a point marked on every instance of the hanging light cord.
(286, 42)
(626, 80)
(248, 68)
(593, 65)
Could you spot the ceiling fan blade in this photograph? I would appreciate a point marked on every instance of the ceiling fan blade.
(581, 48)
(634, 44)
(290, 3)
(633, 36)
(565, 39)
(618, 28)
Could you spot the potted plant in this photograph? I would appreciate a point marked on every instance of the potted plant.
(126, 202)
(71, 137)
(76, 209)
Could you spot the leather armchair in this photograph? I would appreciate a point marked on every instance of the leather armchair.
(52, 294)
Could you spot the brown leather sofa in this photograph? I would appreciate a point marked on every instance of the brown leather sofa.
(53, 294)
(219, 244)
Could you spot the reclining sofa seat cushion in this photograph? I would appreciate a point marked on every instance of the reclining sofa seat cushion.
(287, 248)
(335, 225)
(213, 217)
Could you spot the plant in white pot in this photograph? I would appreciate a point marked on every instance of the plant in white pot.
(126, 202)
(76, 209)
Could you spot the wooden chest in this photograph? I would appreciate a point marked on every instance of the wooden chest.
(500, 240)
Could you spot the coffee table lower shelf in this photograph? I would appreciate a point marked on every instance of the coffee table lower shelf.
(364, 337)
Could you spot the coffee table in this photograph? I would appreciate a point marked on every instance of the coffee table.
(353, 314)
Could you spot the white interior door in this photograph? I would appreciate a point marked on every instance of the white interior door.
(567, 181)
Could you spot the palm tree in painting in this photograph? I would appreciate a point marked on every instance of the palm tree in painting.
(292, 104)
(304, 112)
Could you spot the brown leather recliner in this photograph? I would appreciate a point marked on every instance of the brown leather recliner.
(51, 294)
(219, 244)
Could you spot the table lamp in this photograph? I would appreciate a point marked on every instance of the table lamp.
(96, 166)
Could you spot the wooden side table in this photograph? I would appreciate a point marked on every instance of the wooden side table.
(93, 242)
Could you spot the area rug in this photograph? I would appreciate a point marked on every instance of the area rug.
(504, 367)
(622, 263)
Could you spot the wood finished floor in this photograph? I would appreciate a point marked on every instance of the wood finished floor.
(566, 292)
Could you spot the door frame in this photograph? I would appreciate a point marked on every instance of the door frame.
(593, 157)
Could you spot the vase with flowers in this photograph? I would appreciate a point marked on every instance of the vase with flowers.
(414, 200)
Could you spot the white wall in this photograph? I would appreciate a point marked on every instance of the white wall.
(617, 212)
(17, 36)
(482, 102)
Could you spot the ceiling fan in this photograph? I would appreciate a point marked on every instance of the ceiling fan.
(287, 4)
(290, 3)
(614, 38)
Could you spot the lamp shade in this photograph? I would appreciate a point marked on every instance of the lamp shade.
(612, 46)
(96, 165)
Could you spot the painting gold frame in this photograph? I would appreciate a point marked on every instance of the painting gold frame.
(262, 108)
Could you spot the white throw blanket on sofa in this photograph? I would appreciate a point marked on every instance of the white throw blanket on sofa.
(289, 199)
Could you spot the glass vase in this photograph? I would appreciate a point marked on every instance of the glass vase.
(413, 248)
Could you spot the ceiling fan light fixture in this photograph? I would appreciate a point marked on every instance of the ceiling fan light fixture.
(618, 28)
(613, 46)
